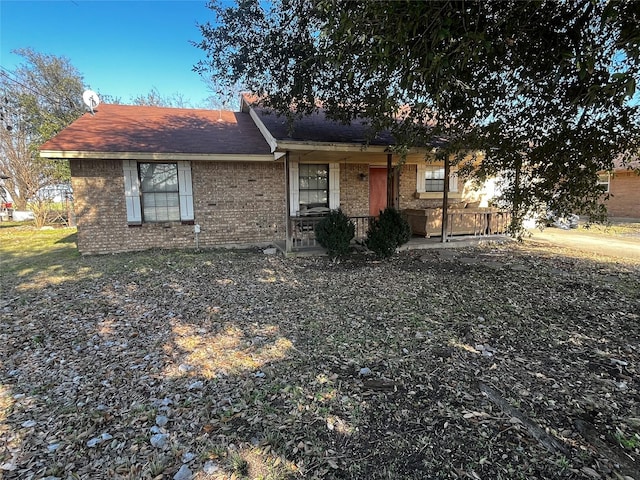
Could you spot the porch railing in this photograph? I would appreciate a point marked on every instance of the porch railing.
(478, 223)
(302, 230)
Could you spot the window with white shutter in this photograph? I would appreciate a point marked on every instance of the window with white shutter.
(158, 192)
(313, 186)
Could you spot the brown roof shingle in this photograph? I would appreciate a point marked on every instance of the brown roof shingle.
(316, 127)
(142, 129)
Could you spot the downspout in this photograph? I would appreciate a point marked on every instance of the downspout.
(445, 200)
(287, 196)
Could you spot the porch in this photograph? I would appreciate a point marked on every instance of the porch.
(461, 226)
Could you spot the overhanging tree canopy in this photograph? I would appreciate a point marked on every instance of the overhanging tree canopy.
(543, 88)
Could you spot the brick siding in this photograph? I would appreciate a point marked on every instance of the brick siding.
(354, 191)
(624, 200)
(239, 202)
(235, 203)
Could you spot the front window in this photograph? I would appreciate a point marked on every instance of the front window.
(313, 186)
(160, 195)
(604, 179)
(434, 179)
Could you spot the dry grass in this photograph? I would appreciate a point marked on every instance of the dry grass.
(249, 366)
(614, 229)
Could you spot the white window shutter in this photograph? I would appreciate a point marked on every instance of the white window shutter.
(132, 191)
(420, 178)
(334, 186)
(294, 189)
(453, 179)
(186, 191)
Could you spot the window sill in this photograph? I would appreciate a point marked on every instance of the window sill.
(436, 195)
(168, 224)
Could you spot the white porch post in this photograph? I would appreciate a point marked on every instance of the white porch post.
(445, 199)
(287, 223)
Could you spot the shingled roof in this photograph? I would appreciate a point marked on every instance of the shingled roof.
(151, 130)
(318, 128)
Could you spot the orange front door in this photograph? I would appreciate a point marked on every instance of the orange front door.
(377, 190)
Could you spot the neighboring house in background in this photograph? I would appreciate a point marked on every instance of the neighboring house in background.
(150, 177)
(6, 202)
(623, 186)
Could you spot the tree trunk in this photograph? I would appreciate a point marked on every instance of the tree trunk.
(390, 202)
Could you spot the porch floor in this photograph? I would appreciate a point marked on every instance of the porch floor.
(415, 243)
(459, 241)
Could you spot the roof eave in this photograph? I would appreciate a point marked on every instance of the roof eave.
(288, 145)
(82, 154)
(273, 143)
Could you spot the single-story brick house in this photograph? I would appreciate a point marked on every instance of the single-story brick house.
(623, 186)
(151, 177)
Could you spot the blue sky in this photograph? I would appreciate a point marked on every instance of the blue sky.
(122, 48)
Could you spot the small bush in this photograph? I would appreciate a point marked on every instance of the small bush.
(388, 232)
(335, 232)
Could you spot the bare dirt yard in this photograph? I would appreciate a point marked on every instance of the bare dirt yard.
(502, 361)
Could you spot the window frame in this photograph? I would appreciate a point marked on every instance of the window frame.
(133, 198)
(607, 182)
(436, 171)
(308, 176)
(157, 192)
(421, 178)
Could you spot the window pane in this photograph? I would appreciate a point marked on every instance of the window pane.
(159, 177)
(146, 177)
(435, 173)
(323, 182)
(434, 186)
(149, 200)
(166, 181)
(173, 214)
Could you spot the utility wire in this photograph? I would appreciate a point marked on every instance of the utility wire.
(8, 75)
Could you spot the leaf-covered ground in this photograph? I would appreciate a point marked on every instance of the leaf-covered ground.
(503, 361)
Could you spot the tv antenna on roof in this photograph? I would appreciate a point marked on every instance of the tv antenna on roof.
(90, 99)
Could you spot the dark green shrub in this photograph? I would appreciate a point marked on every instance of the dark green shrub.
(387, 232)
(334, 232)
